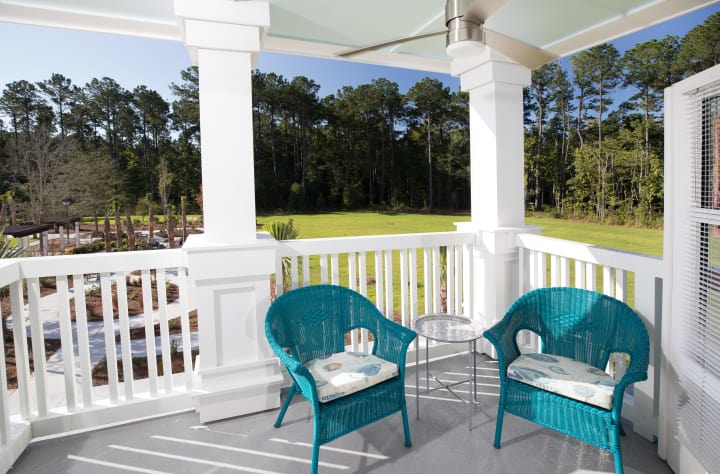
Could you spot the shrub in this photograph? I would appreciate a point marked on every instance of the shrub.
(295, 199)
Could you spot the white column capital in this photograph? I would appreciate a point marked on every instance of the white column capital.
(486, 66)
(222, 25)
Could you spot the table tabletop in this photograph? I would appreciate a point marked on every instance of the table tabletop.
(444, 327)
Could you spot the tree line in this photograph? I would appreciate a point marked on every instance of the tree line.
(106, 148)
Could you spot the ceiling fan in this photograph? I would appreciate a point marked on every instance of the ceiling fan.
(465, 22)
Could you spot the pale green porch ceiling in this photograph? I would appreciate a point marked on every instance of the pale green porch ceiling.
(326, 27)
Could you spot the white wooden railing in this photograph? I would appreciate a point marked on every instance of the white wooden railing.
(630, 277)
(57, 395)
(405, 275)
(430, 272)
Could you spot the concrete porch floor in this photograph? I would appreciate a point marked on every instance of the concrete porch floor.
(441, 441)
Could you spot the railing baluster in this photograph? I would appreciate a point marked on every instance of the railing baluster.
(608, 280)
(352, 270)
(532, 270)
(450, 279)
(125, 343)
(468, 291)
(554, 270)
(66, 340)
(389, 303)
(541, 269)
(579, 274)
(436, 279)
(4, 405)
(427, 281)
(323, 269)
(83, 339)
(352, 284)
(621, 285)
(185, 327)
(362, 264)
(404, 288)
(279, 277)
(164, 329)
(294, 272)
(335, 267)
(564, 271)
(38, 346)
(306, 270)
(22, 359)
(591, 276)
(151, 350)
(458, 278)
(412, 269)
(109, 331)
(379, 286)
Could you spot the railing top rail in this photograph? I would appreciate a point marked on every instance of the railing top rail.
(9, 271)
(366, 243)
(630, 261)
(36, 267)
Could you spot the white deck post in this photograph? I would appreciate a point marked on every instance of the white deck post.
(495, 85)
(229, 265)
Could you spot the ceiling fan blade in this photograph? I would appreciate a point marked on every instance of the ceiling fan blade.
(372, 47)
(525, 54)
(484, 9)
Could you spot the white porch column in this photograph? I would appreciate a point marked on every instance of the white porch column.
(495, 85)
(229, 265)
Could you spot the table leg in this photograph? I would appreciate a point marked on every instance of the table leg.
(427, 366)
(470, 380)
(474, 359)
(417, 376)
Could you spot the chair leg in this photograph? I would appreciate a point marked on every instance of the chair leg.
(619, 469)
(406, 426)
(315, 455)
(499, 421)
(286, 403)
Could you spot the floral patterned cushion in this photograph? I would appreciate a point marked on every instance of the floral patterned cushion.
(343, 373)
(564, 376)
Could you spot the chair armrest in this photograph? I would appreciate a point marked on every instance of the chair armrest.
(392, 341)
(636, 372)
(300, 375)
(503, 339)
(619, 393)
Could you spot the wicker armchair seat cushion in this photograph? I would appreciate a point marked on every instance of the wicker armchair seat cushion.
(343, 373)
(564, 376)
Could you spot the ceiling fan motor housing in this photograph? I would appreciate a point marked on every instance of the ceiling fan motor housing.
(461, 24)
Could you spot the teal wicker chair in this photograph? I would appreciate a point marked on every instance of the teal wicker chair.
(309, 324)
(578, 324)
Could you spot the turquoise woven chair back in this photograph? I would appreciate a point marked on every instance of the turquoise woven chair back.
(312, 323)
(581, 324)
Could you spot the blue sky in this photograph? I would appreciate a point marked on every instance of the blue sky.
(34, 53)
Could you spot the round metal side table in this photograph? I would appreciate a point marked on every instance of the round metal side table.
(451, 328)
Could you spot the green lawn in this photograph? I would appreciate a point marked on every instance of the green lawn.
(340, 224)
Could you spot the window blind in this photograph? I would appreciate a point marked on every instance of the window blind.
(699, 411)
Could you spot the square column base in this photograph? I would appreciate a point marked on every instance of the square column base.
(236, 371)
(237, 390)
